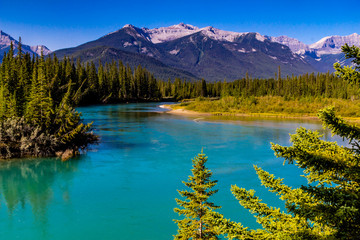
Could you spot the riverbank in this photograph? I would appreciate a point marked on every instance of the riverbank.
(231, 108)
(178, 110)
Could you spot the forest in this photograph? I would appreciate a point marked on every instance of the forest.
(39, 95)
(37, 115)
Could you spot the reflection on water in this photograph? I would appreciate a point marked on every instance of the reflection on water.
(31, 181)
(125, 187)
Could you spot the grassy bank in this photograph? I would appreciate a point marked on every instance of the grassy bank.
(273, 106)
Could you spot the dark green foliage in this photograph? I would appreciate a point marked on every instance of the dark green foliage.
(39, 106)
(197, 209)
(291, 88)
(349, 73)
(335, 199)
(203, 88)
(328, 207)
(37, 117)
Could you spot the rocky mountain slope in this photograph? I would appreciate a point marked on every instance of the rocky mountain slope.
(105, 54)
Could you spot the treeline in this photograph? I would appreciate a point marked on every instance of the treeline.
(324, 85)
(115, 82)
(308, 85)
(37, 117)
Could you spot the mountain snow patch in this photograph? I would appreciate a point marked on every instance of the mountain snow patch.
(165, 34)
(221, 35)
(260, 37)
(174, 52)
(144, 50)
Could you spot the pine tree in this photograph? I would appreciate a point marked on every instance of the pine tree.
(203, 88)
(197, 209)
(329, 206)
(39, 109)
(349, 73)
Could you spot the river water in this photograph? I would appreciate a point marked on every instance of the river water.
(125, 188)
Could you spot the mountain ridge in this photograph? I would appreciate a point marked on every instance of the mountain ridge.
(5, 42)
(208, 52)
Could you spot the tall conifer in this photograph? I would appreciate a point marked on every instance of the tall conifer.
(328, 207)
(197, 208)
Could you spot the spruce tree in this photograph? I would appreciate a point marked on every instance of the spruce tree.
(203, 92)
(39, 109)
(197, 208)
(328, 207)
(350, 74)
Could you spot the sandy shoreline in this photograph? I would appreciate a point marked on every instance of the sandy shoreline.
(181, 111)
(184, 112)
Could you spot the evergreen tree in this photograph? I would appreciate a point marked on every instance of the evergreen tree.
(329, 206)
(204, 92)
(37, 116)
(349, 73)
(197, 209)
(39, 108)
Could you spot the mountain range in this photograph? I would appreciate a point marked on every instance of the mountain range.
(5, 42)
(190, 52)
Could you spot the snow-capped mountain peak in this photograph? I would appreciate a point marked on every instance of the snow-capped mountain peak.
(295, 45)
(38, 48)
(220, 35)
(185, 26)
(128, 26)
(5, 42)
(332, 44)
(164, 34)
(5, 39)
(326, 45)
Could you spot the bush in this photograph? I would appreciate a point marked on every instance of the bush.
(20, 139)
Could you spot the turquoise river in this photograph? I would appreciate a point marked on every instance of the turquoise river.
(125, 187)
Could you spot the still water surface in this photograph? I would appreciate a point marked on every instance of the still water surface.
(125, 187)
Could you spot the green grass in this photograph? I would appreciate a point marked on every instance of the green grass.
(270, 105)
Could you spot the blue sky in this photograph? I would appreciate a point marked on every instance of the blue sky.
(59, 24)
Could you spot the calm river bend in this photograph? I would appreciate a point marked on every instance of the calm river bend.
(125, 188)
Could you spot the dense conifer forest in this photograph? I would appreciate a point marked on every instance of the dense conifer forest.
(37, 115)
